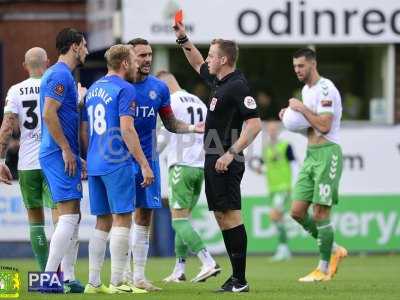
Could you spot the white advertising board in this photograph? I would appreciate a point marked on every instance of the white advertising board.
(266, 22)
(371, 167)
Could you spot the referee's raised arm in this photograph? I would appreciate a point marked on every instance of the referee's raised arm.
(192, 54)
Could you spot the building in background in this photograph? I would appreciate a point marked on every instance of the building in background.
(25, 24)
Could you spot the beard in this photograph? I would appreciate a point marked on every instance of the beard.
(80, 61)
(141, 70)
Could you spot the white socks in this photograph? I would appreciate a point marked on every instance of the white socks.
(206, 258)
(323, 266)
(128, 276)
(97, 251)
(140, 250)
(119, 247)
(294, 121)
(61, 240)
(69, 260)
(180, 265)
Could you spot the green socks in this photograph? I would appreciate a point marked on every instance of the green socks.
(181, 249)
(186, 233)
(325, 239)
(309, 225)
(39, 244)
(282, 236)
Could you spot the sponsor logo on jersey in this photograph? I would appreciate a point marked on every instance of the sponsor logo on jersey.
(153, 95)
(250, 103)
(59, 89)
(213, 103)
(144, 112)
(326, 103)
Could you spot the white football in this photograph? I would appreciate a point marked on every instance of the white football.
(294, 121)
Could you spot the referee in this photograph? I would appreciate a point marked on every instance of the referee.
(229, 106)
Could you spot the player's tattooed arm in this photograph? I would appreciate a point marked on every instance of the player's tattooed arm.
(9, 123)
(172, 124)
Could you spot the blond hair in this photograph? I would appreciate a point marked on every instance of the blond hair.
(116, 54)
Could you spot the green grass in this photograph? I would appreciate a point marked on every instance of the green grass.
(368, 277)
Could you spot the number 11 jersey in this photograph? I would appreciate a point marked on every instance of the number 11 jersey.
(186, 149)
(106, 101)
(23, 99)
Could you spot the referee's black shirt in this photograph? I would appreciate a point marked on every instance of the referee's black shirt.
(229, 105)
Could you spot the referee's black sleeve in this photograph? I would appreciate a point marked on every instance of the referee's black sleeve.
(244, 101)
(206, 76)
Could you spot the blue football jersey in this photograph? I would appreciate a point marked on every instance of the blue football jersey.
(58, 83)
(106, 100)
(152, 95)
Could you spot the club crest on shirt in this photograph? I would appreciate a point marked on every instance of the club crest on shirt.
(250, 103)
(326, 103)
(213, 103)
(59, 89)
(153, 95)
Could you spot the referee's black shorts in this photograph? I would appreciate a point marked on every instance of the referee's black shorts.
(223, 189)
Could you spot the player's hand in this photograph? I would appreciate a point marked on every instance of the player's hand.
(296, 104)
(282, 112)
(81, 94)
(199, 127)
(259, 170)
(69, 162)
(179, 29)
(221, 166)
(84, 169)
(5, 174)
(148, 176)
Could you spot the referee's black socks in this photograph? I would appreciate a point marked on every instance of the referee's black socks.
(236, 245)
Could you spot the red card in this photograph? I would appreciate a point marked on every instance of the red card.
(179, 16)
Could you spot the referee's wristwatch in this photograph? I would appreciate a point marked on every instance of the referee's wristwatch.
(232, 151)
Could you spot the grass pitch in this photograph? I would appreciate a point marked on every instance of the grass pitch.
(366, 277)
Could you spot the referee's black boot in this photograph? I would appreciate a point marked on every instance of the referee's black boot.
(232, 285)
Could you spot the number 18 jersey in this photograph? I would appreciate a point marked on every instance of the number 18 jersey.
(23, 99)
(106, 100)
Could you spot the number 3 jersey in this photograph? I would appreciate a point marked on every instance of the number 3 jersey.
(23, 99)
(186, 149)
(106, 101)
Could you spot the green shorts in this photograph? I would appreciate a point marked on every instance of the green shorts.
(318, 180)
(34, 189)
(184, 186)
(280, 201)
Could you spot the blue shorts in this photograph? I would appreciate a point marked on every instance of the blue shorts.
(113, 193)
(149, 197)
(62, 187)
